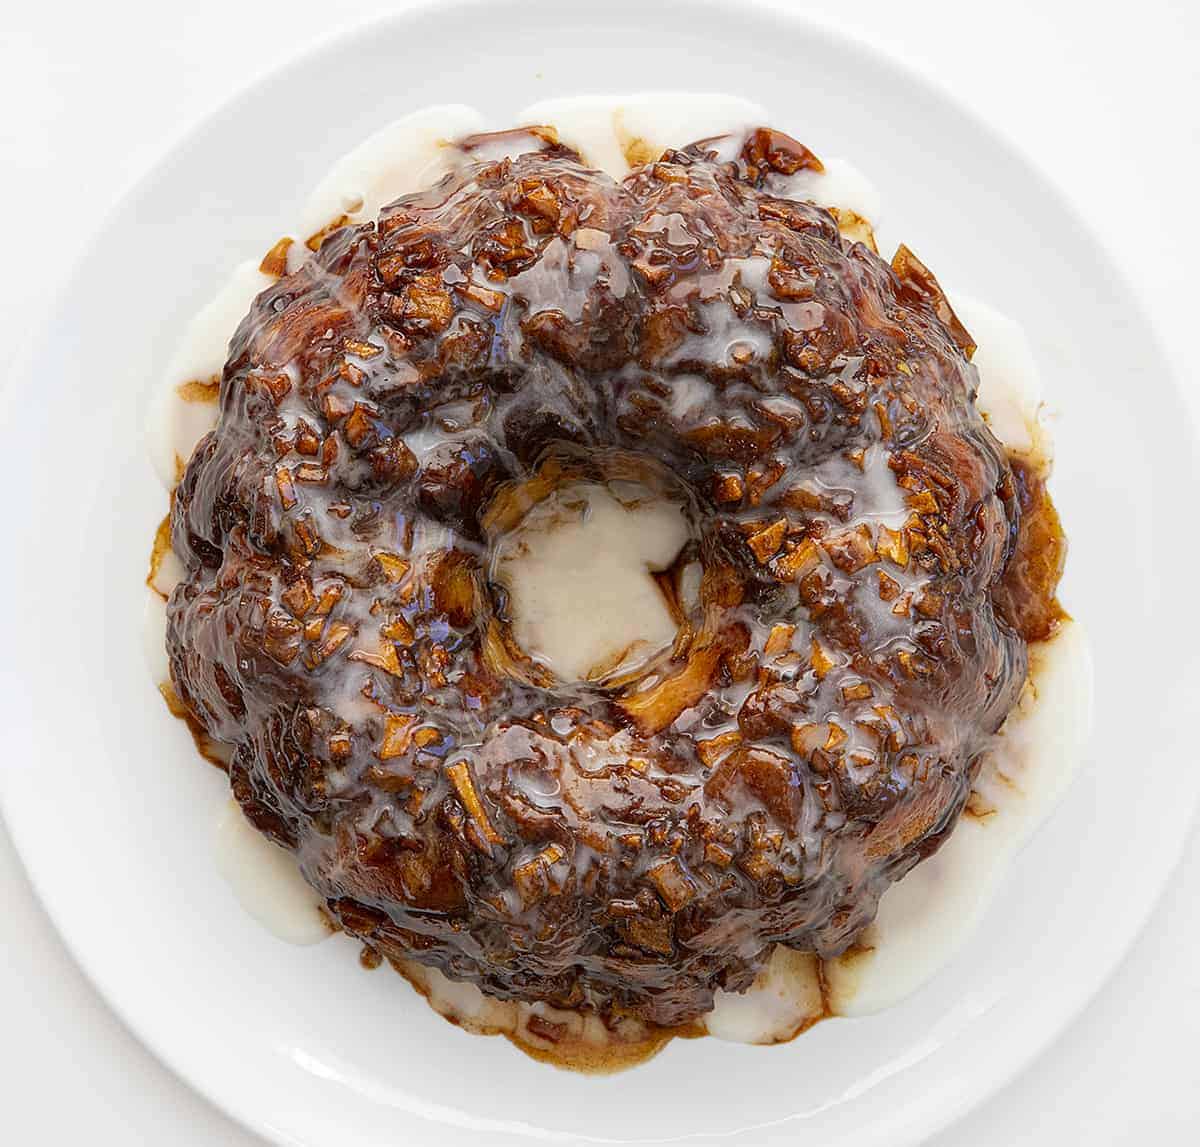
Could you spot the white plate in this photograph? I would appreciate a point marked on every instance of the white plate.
(113, 814)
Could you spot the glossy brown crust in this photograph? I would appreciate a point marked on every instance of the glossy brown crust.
(817, 729)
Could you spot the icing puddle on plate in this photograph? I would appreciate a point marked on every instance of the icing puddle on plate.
(923, 919)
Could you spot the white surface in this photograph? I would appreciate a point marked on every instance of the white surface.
(1107, 1110)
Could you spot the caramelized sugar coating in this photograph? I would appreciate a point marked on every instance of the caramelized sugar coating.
(816, 728)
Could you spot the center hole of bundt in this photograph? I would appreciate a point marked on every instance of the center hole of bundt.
(593, 580)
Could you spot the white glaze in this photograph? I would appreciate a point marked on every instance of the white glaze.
(784, 999)
(578, 573)
(174, 424)
(1010, 391)
(154, 637)
(405, 156)
(601, 128)
(168, 575)
(925, 918)
(559, 279)
(840, 184)
(266, 881)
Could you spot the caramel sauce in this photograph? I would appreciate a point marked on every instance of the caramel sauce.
(1026, 595)
(159, 549)
(198, 391)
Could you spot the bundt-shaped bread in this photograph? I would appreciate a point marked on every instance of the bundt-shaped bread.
(392, 407)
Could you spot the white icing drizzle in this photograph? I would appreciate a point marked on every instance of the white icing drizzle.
(266, 880)
(840, 184)
(175, 424)
(154, 637)
(577, 569)
(1010, 391)
(786, 998)
(168, 575)
(603, 128)
(405, 156)
(559, 280)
